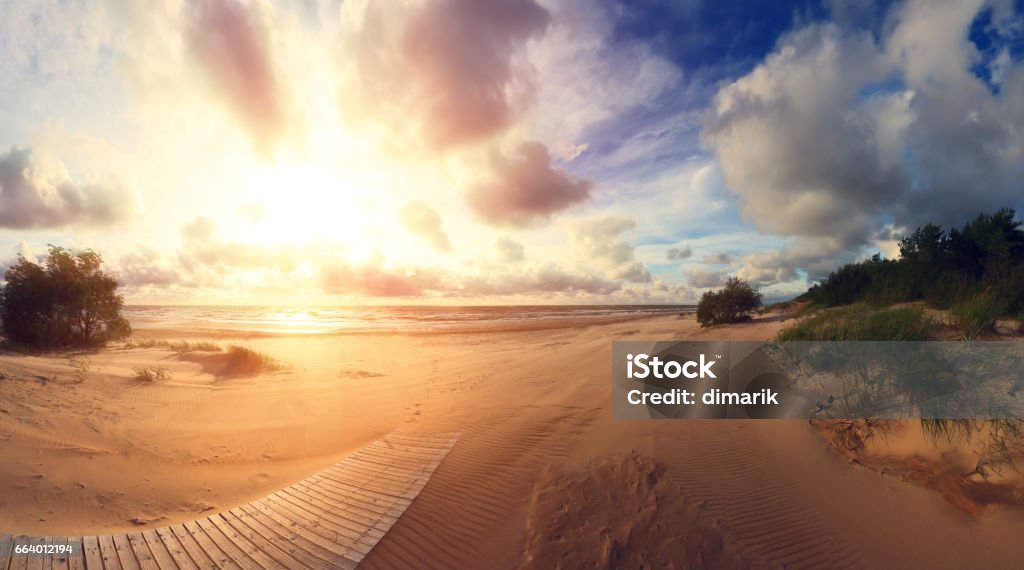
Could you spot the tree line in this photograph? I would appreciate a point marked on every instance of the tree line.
(983, 258)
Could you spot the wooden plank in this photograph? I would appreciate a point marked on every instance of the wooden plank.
(92, 555)
(300, 546)
(341, 552)
(309, 504)
(59, 560)
(356, 503)
(226, 544)
(143, 554)
(331, 519)
(19, 561)
(374, 502)
(37, 559)
(76, 559)
(160, 551)
(385, 473)
(125, 552)
(198, 558)
(272, 549)
(352, 511)
(200, 547)
(325, 527)
(216, 524)
(108, 550)
(222, 558)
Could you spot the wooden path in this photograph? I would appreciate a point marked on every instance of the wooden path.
(329, 520)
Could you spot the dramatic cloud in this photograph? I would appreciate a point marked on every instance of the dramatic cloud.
(816, 257)
(525, 187)
(543, 280)
(702, 278)
(37, 192)
(454, 68)
(375, 281)
(718, 259)
(199, 228)
(508, 251)
(228, 40)
(678, 253)
(146, 267)
(423, 221)
(597, 240)
(463, 60)
(838, 134)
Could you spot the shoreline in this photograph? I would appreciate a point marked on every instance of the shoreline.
(165, 332)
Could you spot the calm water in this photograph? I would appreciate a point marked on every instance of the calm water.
(377, 319)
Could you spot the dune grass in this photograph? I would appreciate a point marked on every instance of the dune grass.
(180, 346)
(977, 314)
(151, 374)
(244, 361)
(183, 346)
(861, 322)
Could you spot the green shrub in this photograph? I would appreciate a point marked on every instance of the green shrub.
(734, 303)
(861, 322)
(65, 302)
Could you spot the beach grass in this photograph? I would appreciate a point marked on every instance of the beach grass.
(151, 374)
(244, 361)
(977, 314)
(862, 322)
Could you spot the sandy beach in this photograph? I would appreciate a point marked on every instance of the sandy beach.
(542, 475)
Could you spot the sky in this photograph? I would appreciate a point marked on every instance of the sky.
(498, 151)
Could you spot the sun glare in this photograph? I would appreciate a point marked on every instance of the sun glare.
(309, 202)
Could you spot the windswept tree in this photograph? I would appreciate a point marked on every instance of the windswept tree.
(732, 304)
(68, 301)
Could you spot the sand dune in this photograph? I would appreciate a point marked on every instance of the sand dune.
(542, 475)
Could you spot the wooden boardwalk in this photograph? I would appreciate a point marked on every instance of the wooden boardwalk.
(329, 520)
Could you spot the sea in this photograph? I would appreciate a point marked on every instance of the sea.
(371, 319)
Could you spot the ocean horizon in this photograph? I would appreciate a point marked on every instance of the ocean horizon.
(378, 318)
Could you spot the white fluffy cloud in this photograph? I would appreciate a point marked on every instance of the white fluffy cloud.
(38, 192)
(423, 221)
(839, 133)
(598, 241)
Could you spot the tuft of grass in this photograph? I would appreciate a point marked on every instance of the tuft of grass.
(152, 374)
(183, 346)
(81, 365)
(144, 342)
(861, 322)
(976, 315)
(244, 361)
(780, 306)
